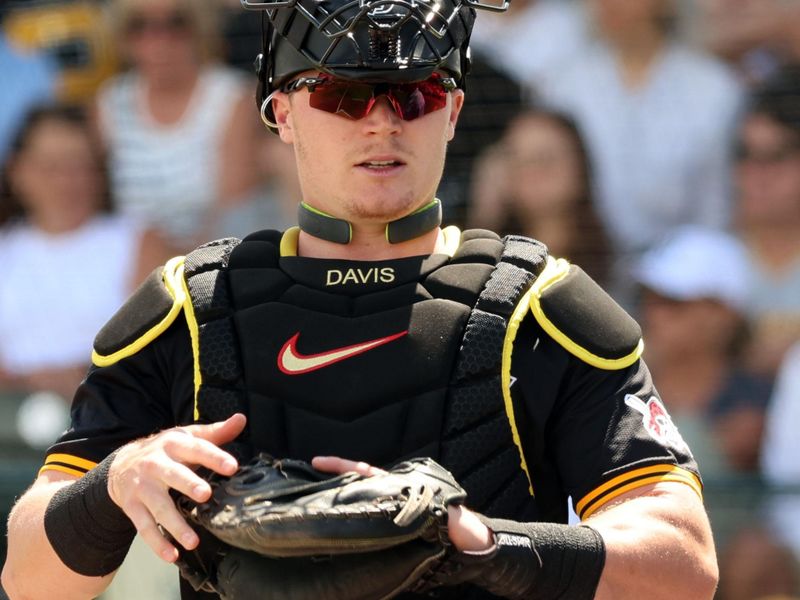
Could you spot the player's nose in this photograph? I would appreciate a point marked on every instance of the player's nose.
(383, 118)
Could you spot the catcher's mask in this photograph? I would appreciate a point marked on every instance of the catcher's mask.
(367, 40)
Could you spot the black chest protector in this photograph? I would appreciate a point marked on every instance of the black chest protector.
(369, 361)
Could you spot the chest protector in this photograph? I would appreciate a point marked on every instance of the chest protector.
(369, 361)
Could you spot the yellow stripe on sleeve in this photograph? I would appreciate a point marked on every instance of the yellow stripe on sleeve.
(69, 459)
(62, 469)
(634, 479)
(67, 463)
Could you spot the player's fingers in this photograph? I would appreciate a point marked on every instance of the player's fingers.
(336, 464)
(181, 478)
(467, 531)
(220, 432)
(149, 532)
(162, 508)
(192, 450)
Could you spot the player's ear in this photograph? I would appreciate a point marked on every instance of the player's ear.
(282, 109)
(457, 103)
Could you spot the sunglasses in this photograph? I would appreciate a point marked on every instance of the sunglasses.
(354, 99)
(174, 23)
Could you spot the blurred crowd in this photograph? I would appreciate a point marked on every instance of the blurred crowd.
(655, 143)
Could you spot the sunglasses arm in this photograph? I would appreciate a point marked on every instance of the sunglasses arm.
(310, 82)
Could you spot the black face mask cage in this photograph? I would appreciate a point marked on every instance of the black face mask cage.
(382, 35)
(502, 6)
(384, 40)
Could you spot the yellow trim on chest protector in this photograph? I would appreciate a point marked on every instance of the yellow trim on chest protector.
(505, 379)
(194, 335)
(555, 271)
(173, 282)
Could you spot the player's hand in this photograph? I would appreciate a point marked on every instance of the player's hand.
(145, 470)
(465, 529)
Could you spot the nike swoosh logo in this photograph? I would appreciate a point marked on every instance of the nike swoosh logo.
(292, 362)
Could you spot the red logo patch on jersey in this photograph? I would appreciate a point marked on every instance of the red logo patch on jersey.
(657, 421)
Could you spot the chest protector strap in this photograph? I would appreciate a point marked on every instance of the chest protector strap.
(218, 377)
(480, 411)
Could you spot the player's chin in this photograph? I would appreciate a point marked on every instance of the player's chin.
(384, 205)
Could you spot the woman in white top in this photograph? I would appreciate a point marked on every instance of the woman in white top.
(67, 261)
(179, 127)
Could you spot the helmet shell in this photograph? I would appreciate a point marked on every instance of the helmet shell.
(372, 40)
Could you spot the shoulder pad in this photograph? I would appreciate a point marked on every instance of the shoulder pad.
(583, 318)
(144, 316)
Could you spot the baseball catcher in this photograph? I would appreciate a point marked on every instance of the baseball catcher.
(482, 382)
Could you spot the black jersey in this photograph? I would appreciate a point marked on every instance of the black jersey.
(569, 410)
(588, 433)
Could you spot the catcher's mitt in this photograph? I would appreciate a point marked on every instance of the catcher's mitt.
(285, 507)
(325, 537)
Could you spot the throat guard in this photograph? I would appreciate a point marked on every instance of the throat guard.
(326, 227)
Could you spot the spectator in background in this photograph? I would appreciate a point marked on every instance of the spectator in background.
(241, 30)
(658, 119)
(781, 449)
(513, 54)
(273, 202)
(756, 36)
(531, 41)
(25, 80)
(537, 182)
(273, 199)
(73, 34)
(768, 215)
(179, 127)
(755, 565)
(493, 100)
(67, 262)
(695, 293)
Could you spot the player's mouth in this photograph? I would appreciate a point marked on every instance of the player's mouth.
(381, 165)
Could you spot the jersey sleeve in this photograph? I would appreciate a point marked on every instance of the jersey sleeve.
(134, 397)
(605, 431)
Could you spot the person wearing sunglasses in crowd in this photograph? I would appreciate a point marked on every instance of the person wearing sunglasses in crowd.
(368, 334)
(177, 124)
